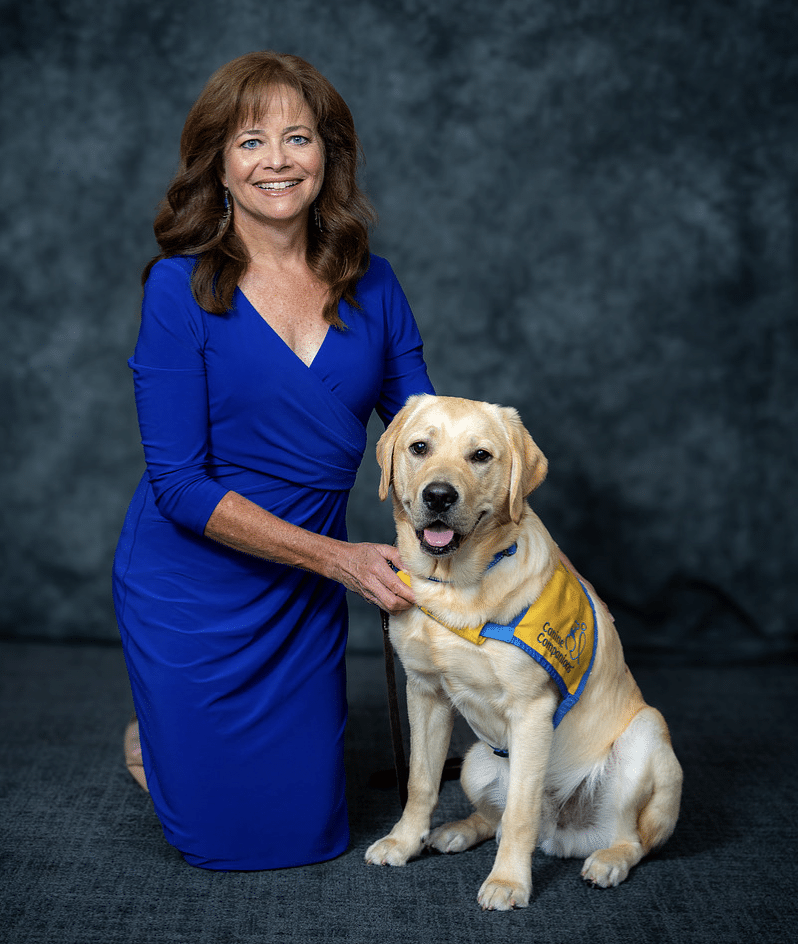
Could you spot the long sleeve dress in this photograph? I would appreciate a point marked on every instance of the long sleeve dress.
(236, 664)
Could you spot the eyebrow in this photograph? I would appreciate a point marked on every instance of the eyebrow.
(287, 130)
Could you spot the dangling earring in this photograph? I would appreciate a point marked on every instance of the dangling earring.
(228, 210)
(317, 217)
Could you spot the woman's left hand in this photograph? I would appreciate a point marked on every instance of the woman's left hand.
(365, 569)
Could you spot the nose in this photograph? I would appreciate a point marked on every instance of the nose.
(274, 156)
(439, 496)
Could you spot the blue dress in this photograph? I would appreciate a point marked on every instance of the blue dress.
(237, 664)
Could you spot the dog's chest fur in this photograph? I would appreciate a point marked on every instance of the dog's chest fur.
(482, 682)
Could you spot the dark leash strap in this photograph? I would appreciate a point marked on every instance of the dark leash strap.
(399, 761)
(452, 765)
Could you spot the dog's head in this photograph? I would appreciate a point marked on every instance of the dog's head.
(456, 466)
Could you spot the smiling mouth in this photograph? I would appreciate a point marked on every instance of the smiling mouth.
(277, 185)
(438, 540)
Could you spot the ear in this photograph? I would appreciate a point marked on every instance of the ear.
(385, 447)
(529, 465)
(387, 444)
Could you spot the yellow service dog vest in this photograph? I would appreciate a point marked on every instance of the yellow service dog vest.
(558, 631)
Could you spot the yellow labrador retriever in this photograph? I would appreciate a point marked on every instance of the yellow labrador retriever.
(569, 756)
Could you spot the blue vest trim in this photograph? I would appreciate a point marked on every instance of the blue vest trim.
(506, 633)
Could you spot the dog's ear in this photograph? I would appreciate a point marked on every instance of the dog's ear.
(529, 465)
(385, 447)
(387, 443)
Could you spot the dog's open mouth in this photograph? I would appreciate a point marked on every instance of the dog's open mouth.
(438, 539)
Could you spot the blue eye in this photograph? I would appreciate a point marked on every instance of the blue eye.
(250, 144)
(298, 139)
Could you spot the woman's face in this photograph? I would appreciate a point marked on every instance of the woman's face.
(274, 165)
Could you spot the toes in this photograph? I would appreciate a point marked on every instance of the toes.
(498, 895)
(386, 852)
(605, 869)
(392, 851)
(448, 840)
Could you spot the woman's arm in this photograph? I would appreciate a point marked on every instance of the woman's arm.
(241, 524)
(405, 372)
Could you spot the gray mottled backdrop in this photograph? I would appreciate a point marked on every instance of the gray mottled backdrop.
(591, 206)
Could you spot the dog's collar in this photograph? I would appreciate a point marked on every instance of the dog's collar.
(507, 552)
(497, 558)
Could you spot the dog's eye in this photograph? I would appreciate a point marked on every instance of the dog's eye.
(481, 455)
(418, 448)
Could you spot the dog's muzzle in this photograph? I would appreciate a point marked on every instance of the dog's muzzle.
(437, 537)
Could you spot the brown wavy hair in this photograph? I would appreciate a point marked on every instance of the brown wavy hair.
(189, 221)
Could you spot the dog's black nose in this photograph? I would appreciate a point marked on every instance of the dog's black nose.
(439, 496)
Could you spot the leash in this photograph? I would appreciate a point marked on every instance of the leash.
(451, 766)
(399, 761)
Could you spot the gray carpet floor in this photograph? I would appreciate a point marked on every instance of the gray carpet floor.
(84, 861)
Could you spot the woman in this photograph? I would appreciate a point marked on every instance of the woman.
(268, 335)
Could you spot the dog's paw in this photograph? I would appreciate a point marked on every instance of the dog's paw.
(388, 851)
(453, 837)
(606, 868)
(499, 895)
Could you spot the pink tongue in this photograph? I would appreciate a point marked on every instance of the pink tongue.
(438, 538)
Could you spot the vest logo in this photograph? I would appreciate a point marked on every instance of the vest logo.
(566, 652)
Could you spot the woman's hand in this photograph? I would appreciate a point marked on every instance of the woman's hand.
(364, 568)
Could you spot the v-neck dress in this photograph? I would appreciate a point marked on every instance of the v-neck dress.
(236, 664)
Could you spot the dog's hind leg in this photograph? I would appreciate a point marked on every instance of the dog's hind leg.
(484, 780)
(639, 801)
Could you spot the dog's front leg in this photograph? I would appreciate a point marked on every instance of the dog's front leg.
(431, 718)
(509, 884)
